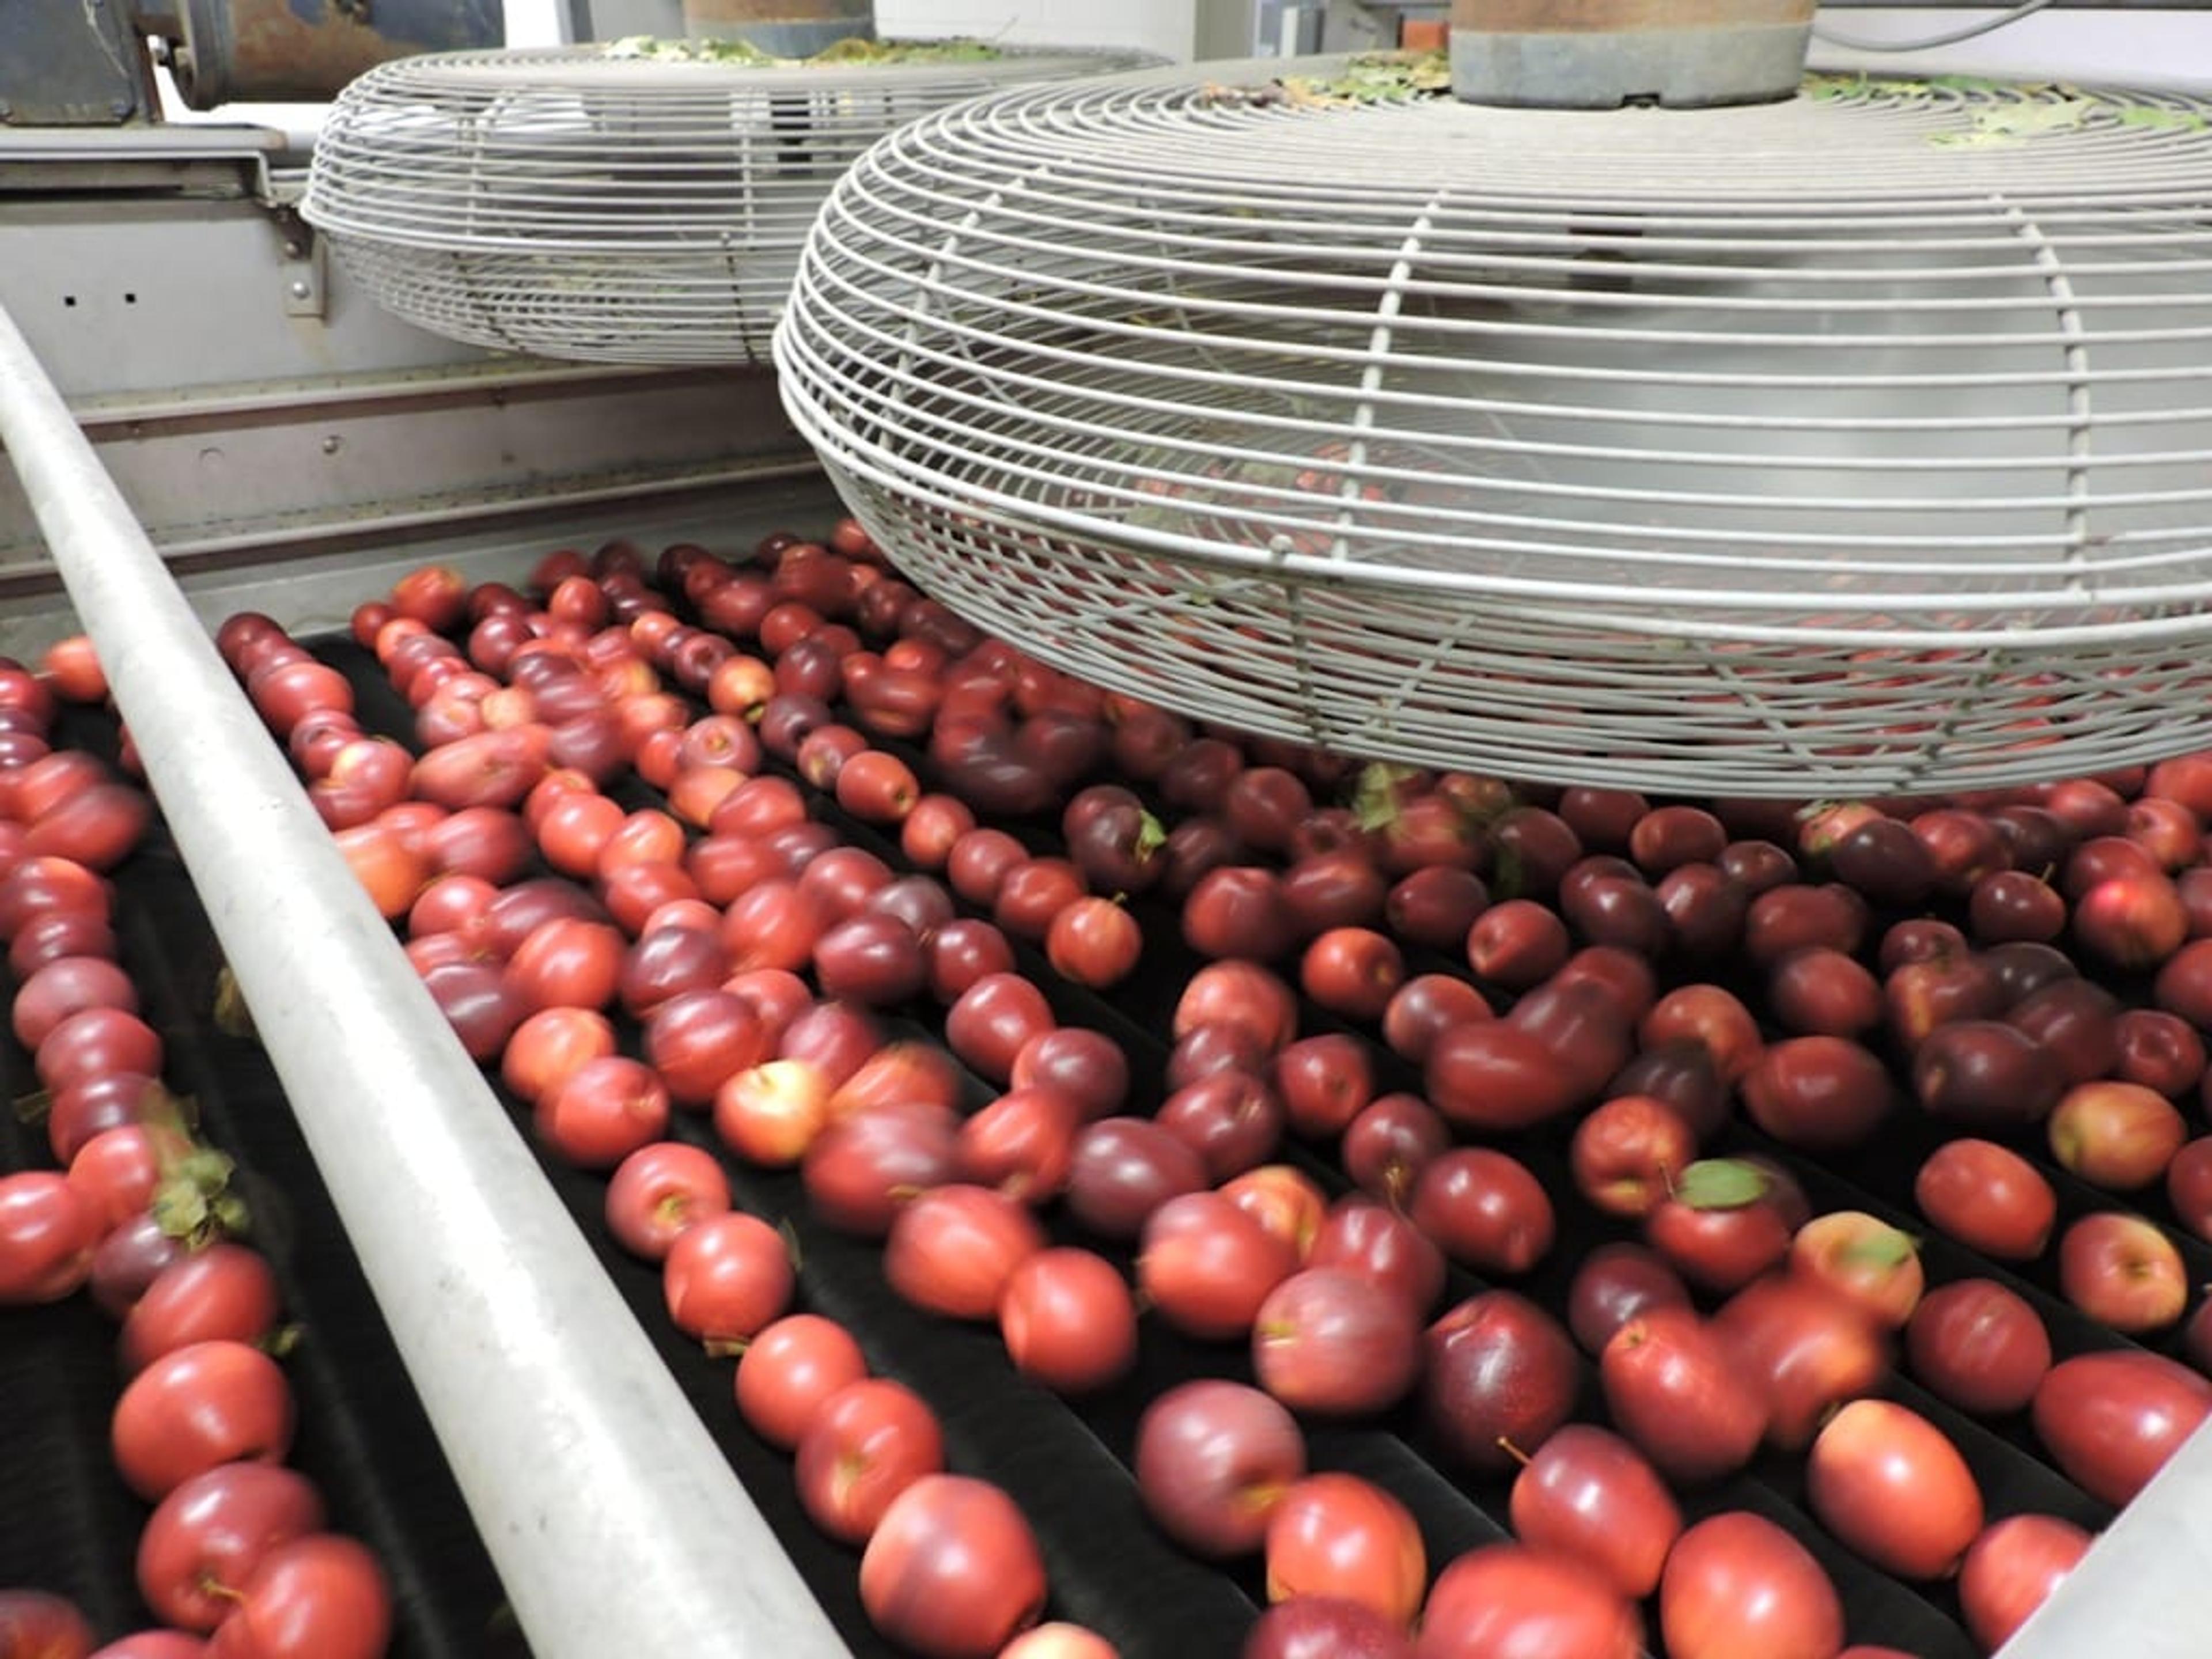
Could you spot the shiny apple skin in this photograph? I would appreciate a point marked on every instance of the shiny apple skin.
(1892, 1486)
(1674, 1390)
(2110, 1420)
(1498, 1369)
(1507, 1601)
(2012, 1568)
(1589, 1494)
(1737, 1586)
(1979, 1346)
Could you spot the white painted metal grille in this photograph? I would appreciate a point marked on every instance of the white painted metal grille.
(574, 203)
(1861, 441)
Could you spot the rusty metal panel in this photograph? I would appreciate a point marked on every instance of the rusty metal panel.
(281, 51)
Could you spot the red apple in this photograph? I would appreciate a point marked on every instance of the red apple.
(1864, 1259)
(1808, 1349)
(1626, 1153)
(1207, 1266)
(1589, 1494)
(1615, 1283)
(1979, 1346)
(2012, 1567)
(1324, 1343)
(1675, 1388)
(2189, 1186)
(868, 1442)
(1988, 1198)
(1507, 1601)
(1068, 1320)
(952, 1570)
(1213, 1459)
(1500, 1378)
(2120, 1136)
(2111, 1419)
(1337, 1535)
(2121, 1269)
(1737, 1586)
(1485, 1210)
(1821, 1093)
(1892, 1486)
(1725, 1224)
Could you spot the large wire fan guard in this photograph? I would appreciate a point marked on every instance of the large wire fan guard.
(592, 204)
(1860, 442)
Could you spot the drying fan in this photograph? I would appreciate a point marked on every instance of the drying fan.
(1856, 441)
(641, 201)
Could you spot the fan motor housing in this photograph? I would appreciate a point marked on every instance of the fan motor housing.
(1601, 54)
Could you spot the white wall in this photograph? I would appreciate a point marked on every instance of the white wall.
(2134, 48)
(1167, 26)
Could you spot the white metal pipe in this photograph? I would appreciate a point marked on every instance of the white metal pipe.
(615, 1522)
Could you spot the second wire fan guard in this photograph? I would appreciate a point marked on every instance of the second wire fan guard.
(637, 203)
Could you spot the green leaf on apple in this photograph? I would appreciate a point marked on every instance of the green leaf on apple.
(1722, 1184)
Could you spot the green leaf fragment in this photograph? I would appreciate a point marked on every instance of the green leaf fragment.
(1375, 798)
(1888, 1248)
(1722, 1184)
(180, 1209)
(745, 55)
(2171, 120)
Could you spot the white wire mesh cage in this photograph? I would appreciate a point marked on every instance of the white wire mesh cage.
(615, 204)
(1857, 443)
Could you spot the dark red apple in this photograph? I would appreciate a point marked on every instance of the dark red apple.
(1501, 1376)
(2111, 1419)
(1675, 1388)
(1212, 1461)
(1979, 1345)
(1808, 1349)
(1615, 1283)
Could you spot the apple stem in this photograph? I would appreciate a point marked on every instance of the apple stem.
(1505, 1444)
(726, 1347)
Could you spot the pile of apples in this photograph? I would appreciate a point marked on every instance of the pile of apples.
(1862, 1165)
(235, 1559)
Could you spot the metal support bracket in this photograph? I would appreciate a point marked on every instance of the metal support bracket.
(304, 267)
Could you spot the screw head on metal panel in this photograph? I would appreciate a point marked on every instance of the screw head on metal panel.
(300, 290)
(332, 444)
(292, 251)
